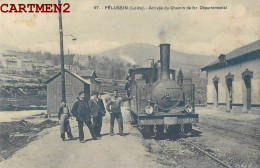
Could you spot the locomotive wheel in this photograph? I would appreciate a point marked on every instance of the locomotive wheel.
(187, 128)
(173, 131)
(147, 131)
(159, 131)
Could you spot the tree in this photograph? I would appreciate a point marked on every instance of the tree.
(180, 77)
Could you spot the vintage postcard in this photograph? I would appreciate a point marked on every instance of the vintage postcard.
(129, 83)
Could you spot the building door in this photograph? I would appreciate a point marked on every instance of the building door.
(247, 80)
(216, 94)
(230, 93)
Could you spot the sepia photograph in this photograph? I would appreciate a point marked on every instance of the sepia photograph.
(129, 83)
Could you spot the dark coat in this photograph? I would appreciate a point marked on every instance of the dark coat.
(128, 85)
(81, 110)
(97, 107)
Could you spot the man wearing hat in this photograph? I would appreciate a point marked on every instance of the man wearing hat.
(98, 110)
(81, 111)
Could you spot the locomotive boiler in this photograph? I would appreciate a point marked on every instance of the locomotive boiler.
(160, 103)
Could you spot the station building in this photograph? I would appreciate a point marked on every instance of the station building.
(233, 80)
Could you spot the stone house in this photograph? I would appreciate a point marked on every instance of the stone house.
(233, 80)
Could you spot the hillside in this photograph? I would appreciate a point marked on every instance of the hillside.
(4, 48)
(138, 53)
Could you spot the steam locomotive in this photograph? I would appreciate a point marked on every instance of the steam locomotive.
(160, 103)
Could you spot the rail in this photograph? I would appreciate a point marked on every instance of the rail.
(256, 136)
(207, 154)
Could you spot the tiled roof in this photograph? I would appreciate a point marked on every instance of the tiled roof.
(255, 46)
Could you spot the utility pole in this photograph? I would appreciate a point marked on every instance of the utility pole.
(62, 57)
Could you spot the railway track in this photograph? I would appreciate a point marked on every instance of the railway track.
(255, 136)
(205, 153)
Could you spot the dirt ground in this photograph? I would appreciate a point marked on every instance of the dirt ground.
(131, 150)
(111, 151)
(17, 134)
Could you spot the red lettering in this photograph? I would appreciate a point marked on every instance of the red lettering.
(30, 6)
(2, 8)
(66, 10)
(57, 7)
(39, 7)
(22, 7)
(48, 8)
(12, 8)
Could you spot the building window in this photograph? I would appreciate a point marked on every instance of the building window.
(222, 60)
(138, 76)
(215, 92)
(229, 82)
(247, 97)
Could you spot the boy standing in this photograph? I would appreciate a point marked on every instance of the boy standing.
(64, 116)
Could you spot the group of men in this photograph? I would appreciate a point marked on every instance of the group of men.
(84, 110)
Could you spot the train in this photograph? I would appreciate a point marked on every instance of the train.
(161, 103)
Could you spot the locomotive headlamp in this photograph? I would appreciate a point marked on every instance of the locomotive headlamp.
(188, 109)
(149, 110)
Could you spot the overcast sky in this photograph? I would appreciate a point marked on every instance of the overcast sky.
(200, 32)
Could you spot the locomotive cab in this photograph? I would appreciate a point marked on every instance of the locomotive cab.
(161, 104)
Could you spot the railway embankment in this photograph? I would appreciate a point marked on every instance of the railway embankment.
(220, 139)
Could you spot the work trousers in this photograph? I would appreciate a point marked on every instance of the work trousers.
(81, 132)
(68, 133)
(65, 127)
(119, 118)
(128, 92)
(97, 124)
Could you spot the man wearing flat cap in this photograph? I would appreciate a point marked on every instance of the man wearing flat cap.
(81, 111)
(97, 112)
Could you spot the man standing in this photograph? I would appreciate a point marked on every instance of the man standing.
(114, 108)
(97, 112)
(128, 86)
(81, 111)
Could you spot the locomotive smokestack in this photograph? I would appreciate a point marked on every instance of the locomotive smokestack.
(165, 60)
